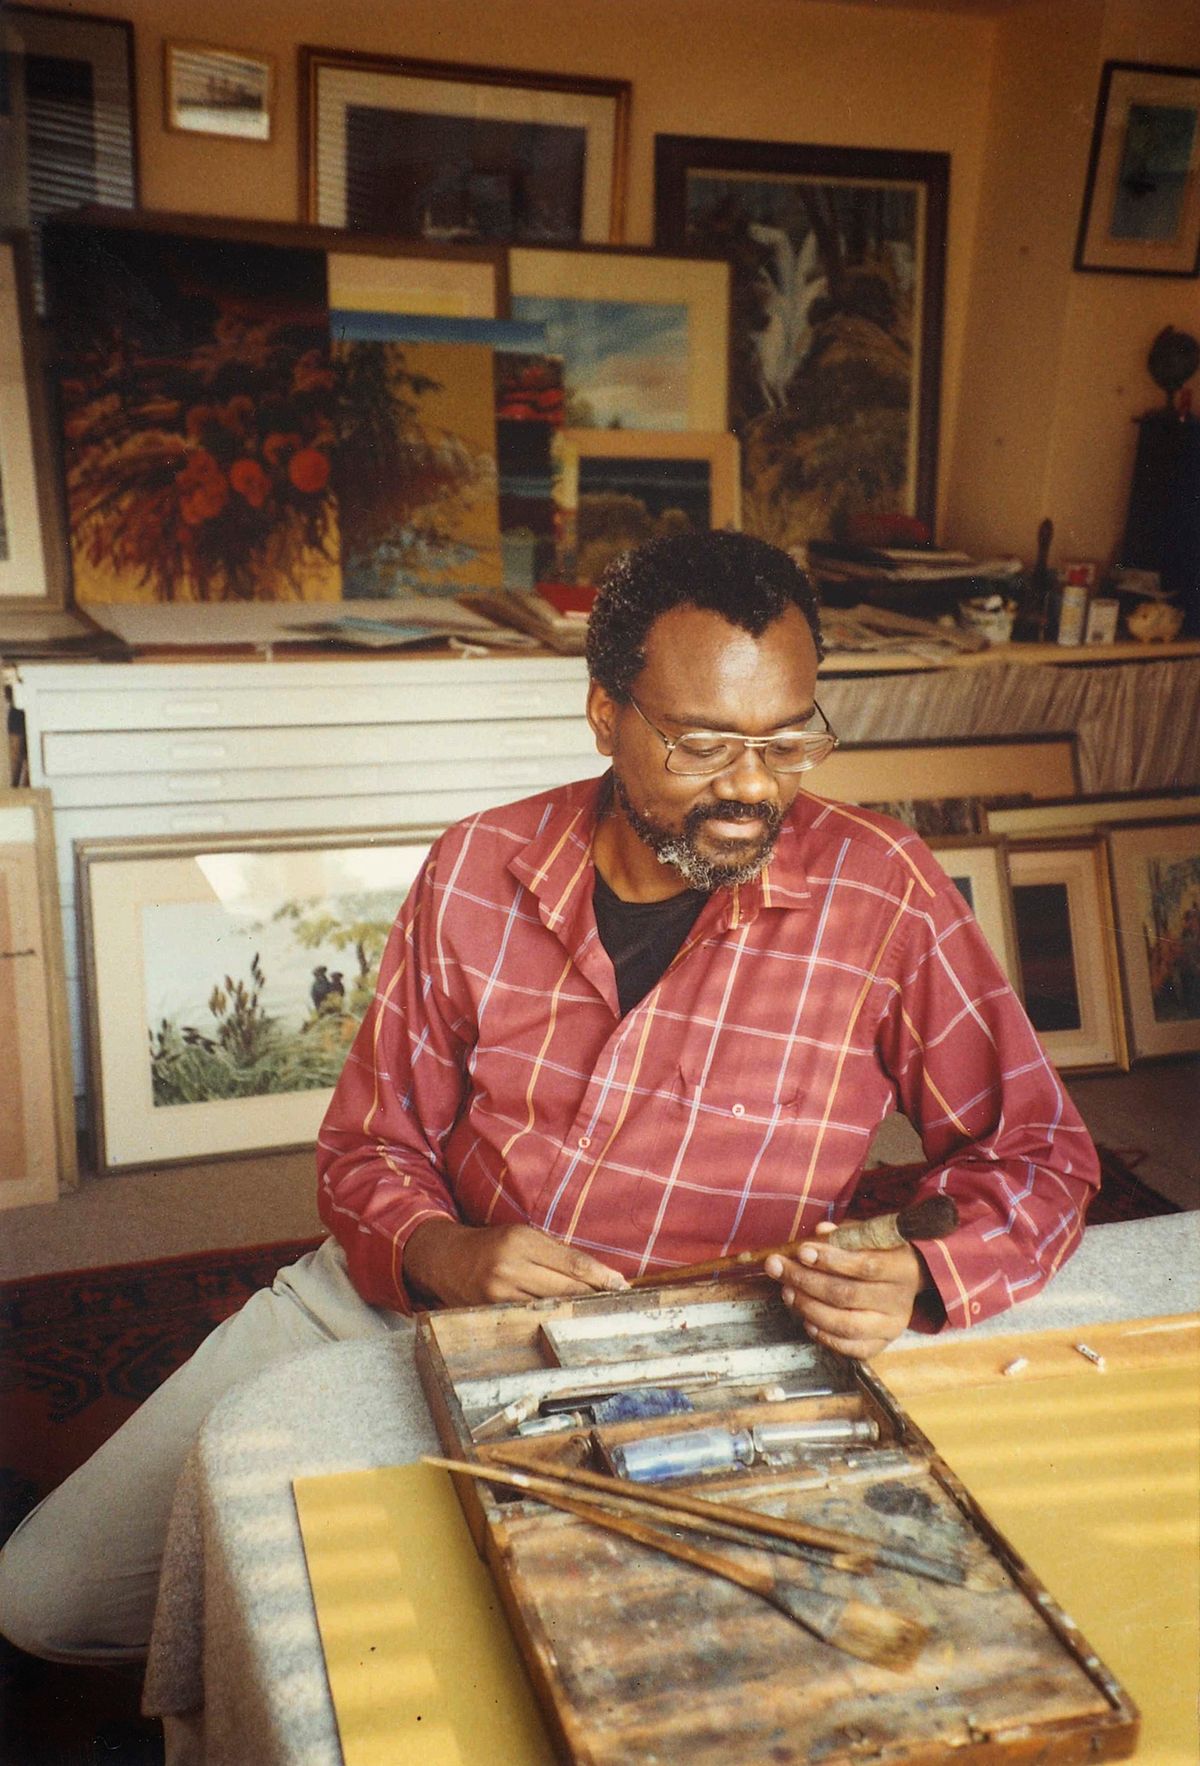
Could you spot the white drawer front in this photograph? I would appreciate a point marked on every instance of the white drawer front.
(330, 701)
(515, 777)
(97, 753)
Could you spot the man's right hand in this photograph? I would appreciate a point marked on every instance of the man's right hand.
(458, 1265)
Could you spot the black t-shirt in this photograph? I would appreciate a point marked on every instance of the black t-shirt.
(641, 937)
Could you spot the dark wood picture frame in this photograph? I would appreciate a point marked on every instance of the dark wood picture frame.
(678, 159)
(1126, 174)
(489, 95)
(87, 63)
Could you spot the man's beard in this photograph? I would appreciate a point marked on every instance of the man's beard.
(677, 846)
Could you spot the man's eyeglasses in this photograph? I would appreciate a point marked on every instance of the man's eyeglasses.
(711, 751)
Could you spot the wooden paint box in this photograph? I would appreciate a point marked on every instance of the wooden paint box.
(639, 1658)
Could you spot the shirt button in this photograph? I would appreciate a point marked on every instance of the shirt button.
(739, 1109)
(974, 1306)
(585, 1141)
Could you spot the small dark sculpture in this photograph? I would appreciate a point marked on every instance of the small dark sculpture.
(1173, 359)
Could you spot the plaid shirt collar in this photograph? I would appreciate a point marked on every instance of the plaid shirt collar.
(558, 869)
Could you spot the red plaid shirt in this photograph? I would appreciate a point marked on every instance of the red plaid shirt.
(494, 1081)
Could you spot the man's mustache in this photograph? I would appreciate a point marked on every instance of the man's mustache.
(769, 814)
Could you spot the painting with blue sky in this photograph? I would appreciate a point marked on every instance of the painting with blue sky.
(626, 362)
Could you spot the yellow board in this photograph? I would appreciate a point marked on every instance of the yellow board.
(1093, 1476)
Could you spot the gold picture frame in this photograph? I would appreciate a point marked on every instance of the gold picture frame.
(1088, 815)
(37, 1104)
(459, 152)
(1141, 204)
(650, 482)
(887, 773)
(1067, 949)
(663, 320)
(1155, 870)
(224, 92)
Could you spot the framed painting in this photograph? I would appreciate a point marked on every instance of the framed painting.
(1066, 947)
(224, 982)
(838, 263)
(893, 776)
(644, 337)
(1155, 870)
(621, 487)
(1141, 203)
(208, 91)
(978, 868)
(37, 1105)
(1088, 815)
(32, 573)
(68, 126)
(442, 150)
(202, 403)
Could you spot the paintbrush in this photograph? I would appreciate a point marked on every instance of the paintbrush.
(875, 1634)
(934, 1218)
(847, 1551)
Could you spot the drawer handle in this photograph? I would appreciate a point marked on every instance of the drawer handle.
(197, 785)
(181, 752)
(178, 711)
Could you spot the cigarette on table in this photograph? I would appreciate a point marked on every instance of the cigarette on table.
(1090, 1355)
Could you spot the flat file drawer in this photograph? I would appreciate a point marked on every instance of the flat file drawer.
(96, 753)
(251, 695)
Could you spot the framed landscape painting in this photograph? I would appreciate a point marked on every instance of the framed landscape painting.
(225, 980)
(622, 487)
(440, 150)
(1066, 945)
(1156, 885)
(644, 337)
(838, 264)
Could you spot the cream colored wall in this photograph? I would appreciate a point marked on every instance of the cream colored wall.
(1055, 360)
(1043, 368)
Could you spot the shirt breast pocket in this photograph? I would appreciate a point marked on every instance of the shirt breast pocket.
(724, 1156)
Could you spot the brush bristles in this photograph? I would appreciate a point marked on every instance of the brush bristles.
(874, 1634)
(934, 1218)
(889, 1640)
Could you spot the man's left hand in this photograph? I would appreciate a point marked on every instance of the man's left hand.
(853, 1301)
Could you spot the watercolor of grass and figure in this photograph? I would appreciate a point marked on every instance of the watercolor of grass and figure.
(244, 1003)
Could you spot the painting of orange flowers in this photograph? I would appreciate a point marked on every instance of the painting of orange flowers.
(198, 406)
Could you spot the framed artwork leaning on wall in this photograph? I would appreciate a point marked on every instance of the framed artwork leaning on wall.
(1156, 889)
(443, 150)
(37, 1105)
(978, 868)
(838, 263)
(224, 982)
(32, 563)
(1066, 945)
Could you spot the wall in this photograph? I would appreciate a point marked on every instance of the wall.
(1055, 361)
(1043, 368)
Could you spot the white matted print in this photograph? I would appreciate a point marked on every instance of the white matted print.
(1156, 887)
(226, 980)
(1062, 909)
(978, 868)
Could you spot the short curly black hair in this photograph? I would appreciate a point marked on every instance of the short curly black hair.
(745, 580)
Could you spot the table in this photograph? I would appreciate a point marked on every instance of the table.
(255, 1661)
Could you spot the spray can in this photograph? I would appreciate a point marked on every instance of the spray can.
(1078, 582)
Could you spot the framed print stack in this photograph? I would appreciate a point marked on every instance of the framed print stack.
(225, 981)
